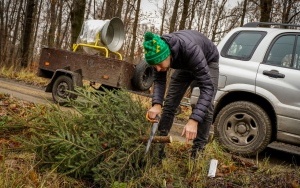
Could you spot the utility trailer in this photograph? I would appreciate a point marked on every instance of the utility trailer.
(94, 58)
(98, 62)
(68, 69)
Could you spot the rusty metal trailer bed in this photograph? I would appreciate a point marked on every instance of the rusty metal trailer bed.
(68, 69)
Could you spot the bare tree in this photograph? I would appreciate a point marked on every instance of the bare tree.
(13, 51)
(26, 35)
(165, 5)
(59, 26)
(101, 10)
(217, 19)
(129, 9)
(200, 14)
(1, 31)
(193, 11)
(77, 18)
(110, 9)
(265, 10)
(184, 14)
(134, 30)
(52, 28)
(36, 26)
(88, 12)
(287, 4)
(58, 23)
(244, 12)
(209, 7)
(174, 16)
(7, 21)
(119, 8)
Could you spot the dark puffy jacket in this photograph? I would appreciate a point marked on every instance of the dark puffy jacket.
(191, 51)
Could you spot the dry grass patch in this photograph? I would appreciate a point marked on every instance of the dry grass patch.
(25, 75)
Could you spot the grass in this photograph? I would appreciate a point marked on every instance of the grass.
(25, 75)
(20, 168)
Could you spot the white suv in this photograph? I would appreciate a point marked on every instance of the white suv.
(258, 100)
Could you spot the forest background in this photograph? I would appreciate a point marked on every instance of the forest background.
(27, 26)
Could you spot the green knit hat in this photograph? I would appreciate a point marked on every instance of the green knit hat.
(156, 49)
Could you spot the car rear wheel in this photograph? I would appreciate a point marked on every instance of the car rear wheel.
(243, 128)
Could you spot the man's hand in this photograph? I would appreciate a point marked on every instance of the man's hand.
(190, 130)
(154, 111)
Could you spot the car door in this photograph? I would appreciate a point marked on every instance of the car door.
(278, 81)
(237, 69)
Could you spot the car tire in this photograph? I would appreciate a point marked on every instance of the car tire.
(143, 76)
(60, 90)
(243, 128)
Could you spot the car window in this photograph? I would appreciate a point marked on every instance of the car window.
(282, 53)
(243, 45)
(297, 55)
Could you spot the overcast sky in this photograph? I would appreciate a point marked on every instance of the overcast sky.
(150, 5)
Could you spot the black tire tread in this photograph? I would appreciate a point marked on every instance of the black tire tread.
(69, 81)
(138, 81)
(257, 110)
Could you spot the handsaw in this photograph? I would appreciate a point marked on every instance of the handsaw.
(153, 131)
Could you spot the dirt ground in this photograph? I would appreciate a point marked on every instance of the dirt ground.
(245, 173)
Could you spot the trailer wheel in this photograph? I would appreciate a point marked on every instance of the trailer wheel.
(143, 76)
(60, 91)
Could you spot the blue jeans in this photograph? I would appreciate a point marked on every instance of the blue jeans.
(180, 81)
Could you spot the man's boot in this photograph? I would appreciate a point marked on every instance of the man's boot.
(161, 147)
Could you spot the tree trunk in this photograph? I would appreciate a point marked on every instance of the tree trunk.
(207, 19)
(265, 10)
(194, 5)
(184, 14)
(53, 13)
(110, 9)
(59, 24)
(163, 17)
(1, 31)
(88, 10)
(203, 15)
(174, 17)
(200, 17)
(7, 28)
(38, 16)
(217, 19)
(101, 9)
(128, 11)
(13, 51)
(27, 33)
(157, 139)
(119, 10)
(4, 33)
(135, 25)
(244, 12)
(65, 34)
(77, 18)
(287, 5)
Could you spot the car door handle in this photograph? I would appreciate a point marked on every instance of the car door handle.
(273, 73)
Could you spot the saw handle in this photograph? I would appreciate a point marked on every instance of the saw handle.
(152, 120)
